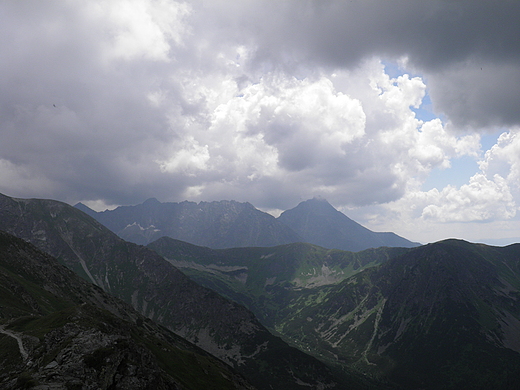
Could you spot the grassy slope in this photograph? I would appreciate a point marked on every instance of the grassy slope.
(432, 318)
(268, 279)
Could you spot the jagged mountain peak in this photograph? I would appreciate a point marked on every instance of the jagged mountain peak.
(318, 222)
(316, 204)
(216, 224)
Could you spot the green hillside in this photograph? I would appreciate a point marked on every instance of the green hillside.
(267, 279)
(445, 315)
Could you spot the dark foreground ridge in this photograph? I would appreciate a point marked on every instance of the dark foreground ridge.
(230, 224)
(58, 331)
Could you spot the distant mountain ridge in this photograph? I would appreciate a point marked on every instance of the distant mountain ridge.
(321, 224)
(231, 224)
(223, 224)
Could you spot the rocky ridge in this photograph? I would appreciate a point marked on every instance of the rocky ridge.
(223, 224)
(231, 224)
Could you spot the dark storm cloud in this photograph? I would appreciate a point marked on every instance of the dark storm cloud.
(468, 49)
(74, 121)
(433, 33)
(483, 94)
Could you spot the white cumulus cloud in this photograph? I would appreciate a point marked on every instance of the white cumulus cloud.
(479, 200)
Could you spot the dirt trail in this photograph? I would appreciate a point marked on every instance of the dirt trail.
(18, 339)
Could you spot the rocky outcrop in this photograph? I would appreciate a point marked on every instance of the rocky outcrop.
(75, 356)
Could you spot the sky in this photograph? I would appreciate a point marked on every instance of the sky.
(403, 114)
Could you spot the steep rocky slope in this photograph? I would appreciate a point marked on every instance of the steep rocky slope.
(161, 292)
(58, 331)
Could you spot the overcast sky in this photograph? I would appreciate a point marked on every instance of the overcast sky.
(403, 114)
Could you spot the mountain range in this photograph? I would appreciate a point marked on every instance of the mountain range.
(159, 291)
(230, 224)
(294, 316)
